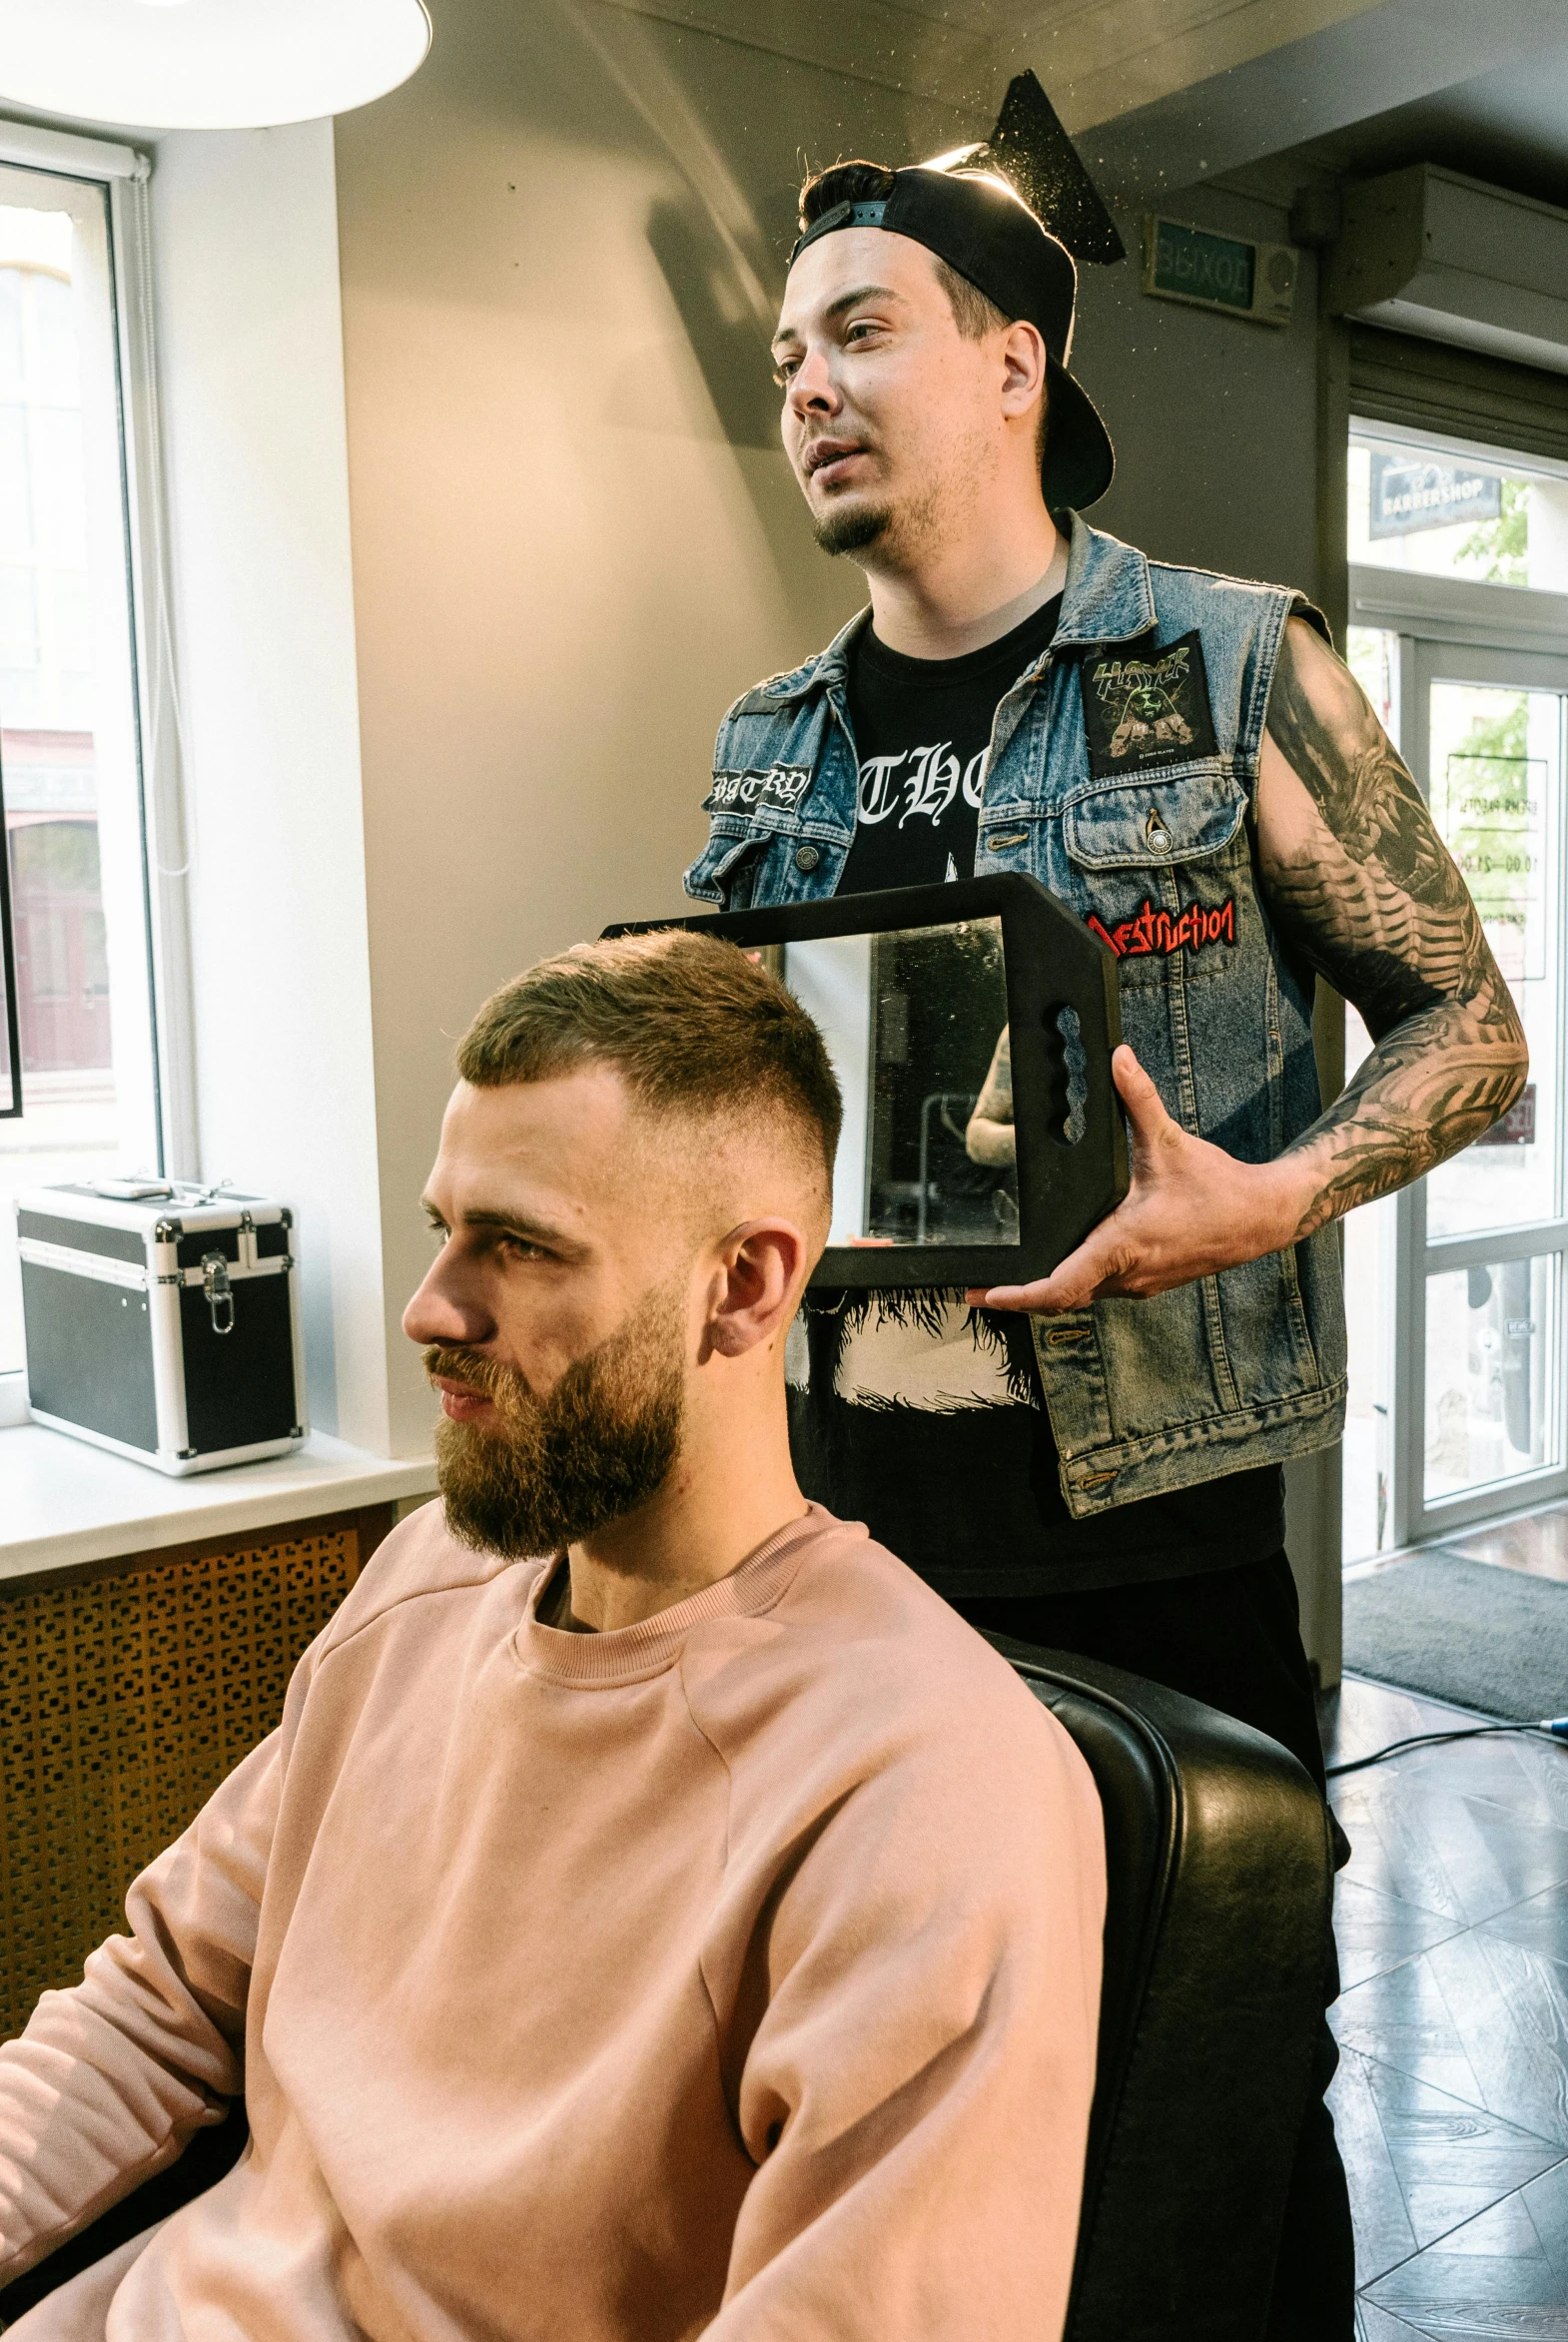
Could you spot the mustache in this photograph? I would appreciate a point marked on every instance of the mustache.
(503, 1386)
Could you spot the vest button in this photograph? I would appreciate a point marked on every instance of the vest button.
(806, 857)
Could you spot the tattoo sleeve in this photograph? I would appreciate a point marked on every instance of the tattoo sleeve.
(1357, 876)
(989, 1137)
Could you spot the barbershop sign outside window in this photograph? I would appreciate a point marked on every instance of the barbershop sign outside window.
(1407, 496)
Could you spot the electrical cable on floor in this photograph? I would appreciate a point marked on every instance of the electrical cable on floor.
(1556, 1726)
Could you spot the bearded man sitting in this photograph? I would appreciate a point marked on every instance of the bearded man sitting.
(694, 1931)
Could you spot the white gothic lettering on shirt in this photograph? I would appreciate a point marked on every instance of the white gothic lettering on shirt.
(929, 787)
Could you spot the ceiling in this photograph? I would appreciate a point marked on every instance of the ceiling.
(1159, 94)
(1162, 94)
(1509, 127)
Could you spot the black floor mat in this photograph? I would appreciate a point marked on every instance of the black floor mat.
(1487, 1638)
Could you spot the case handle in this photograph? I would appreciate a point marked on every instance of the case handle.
(219, 1291)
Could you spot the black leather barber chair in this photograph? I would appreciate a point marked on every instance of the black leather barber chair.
(1220, 1883)
(1220, 1891)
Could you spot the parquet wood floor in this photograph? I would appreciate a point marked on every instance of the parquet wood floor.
(1451, 2100)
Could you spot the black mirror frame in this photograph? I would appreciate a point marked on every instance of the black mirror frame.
(1052, 961)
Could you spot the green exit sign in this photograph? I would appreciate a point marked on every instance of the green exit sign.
(1182, 263)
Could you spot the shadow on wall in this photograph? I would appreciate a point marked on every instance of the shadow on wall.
(728, 341)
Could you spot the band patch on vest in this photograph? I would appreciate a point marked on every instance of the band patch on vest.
(1150, 711)
(783, 785)
(1165, 932)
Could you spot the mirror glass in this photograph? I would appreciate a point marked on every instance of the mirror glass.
(915, 1020)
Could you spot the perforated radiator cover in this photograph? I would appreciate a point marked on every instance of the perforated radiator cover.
(124, 1701)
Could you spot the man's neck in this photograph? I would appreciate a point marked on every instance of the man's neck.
(969, 594)
(721, 1502)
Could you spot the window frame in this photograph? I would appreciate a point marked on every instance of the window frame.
(1417, 1517)
(124, 173)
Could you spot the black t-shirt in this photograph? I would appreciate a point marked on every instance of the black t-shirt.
(922, 730)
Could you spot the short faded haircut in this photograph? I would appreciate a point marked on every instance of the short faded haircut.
(696, 1028)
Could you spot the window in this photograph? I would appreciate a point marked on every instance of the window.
(1455, 1289)
(1435, 512)
(78, 1061)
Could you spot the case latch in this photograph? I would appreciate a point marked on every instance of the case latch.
(219, 1291)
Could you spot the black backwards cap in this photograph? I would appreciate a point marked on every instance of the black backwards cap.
(973, 219)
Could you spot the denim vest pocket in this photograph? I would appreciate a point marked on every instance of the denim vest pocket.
(726, 870)
(1265, 1331)
(1157, 821)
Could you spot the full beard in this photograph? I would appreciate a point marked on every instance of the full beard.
(601, 1443)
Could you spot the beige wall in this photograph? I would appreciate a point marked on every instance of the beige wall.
(564, 569)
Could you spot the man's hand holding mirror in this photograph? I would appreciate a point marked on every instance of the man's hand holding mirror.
(1190, 1210)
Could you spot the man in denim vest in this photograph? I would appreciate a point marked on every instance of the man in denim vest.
(1093, 1461)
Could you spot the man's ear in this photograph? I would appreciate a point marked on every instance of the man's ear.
(1024, 366)
(755, 1286)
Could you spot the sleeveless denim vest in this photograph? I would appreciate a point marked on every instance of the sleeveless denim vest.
(1123, 774)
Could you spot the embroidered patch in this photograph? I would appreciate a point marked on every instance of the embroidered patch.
(1165, 932)
(1144, 713)
(783, 785)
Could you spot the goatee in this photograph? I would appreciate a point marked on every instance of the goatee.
(601, 1442)
(851, 529)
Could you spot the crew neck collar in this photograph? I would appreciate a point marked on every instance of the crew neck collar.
(629, 1653)
(1031, 633)
(1107, 598)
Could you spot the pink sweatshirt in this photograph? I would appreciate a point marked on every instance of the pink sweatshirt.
(735, 1973)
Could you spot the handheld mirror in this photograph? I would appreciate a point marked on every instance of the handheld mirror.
(971, 1028)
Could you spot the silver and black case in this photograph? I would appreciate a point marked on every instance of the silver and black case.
(164, 1327)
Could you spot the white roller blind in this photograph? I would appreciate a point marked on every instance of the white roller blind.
(1461, 394)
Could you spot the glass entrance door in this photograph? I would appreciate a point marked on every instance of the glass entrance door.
(1479, 1322)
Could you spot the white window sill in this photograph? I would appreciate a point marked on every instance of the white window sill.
(64, 1502)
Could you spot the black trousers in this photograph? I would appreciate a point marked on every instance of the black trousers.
(1232, 1637)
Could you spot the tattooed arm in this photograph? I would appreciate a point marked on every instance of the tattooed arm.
(989, 1137)
(1356, 874)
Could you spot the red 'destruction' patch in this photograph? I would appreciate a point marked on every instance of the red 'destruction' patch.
(1163, 932)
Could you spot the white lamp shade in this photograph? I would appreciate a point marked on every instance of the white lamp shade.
(206, 64)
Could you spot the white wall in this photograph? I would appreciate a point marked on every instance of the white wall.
(250, 360)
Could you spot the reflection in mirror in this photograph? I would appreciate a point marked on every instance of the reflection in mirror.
(916, 1024)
